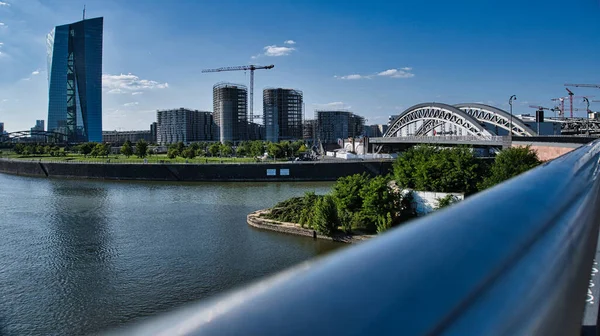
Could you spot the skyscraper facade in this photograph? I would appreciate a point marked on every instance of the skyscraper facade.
(75, 80)
(1, 128)
(282, 114)
(230, 105)
(334, 125)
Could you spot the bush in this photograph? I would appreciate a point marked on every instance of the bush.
(325, 219)
(446, 201)
(509, 163)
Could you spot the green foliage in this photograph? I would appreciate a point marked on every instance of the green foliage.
(188, 153)
(446, 201)
(378, 200)
(226, 149)
(101, 150)
(384, 222)
(141, 148)
(257, 148)
(172, 153)
(214, 149)
(275, 150)
(509, 163)
(346, 192)
(86, 148)
(429, 168)
(127, 149)
(325, 219)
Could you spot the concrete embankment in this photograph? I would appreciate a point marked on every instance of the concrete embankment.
(285, 171)
(256, 221)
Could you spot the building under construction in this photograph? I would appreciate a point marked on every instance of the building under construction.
(334, 125)
(184, 125)
(282, 114)
(230, 104)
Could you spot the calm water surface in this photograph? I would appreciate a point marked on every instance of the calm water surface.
(78, 257)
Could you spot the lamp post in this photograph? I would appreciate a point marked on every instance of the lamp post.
(510, 100)
(587, 112)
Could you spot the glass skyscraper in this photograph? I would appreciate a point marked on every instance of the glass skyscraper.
(75, 80)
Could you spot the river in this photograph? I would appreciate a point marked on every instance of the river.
(80, 256)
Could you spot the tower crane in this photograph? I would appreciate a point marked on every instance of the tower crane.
(571, 96)
(541, 108)
(597, 86)
(245, 67)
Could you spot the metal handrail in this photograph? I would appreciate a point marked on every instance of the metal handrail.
(512, 260)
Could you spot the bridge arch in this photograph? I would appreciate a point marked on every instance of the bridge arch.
(496, 117)
(432, 115)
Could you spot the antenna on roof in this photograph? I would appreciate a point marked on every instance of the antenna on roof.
(84, 12)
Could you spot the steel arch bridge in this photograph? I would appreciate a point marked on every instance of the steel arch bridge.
(468, 119)
(496, 117)
(426, 117)
(52, 137)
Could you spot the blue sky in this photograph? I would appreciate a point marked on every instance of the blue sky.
(375, 58)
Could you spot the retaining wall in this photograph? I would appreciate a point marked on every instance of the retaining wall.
(293, 171)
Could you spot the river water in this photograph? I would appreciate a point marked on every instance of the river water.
(78, 256)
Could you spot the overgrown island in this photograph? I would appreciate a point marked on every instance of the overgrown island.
(363, 205)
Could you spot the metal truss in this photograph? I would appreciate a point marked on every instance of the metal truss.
(496, 117)
(53, 137)
(437, 112)
(428, 126)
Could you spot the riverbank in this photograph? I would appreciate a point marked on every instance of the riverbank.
(234, 172)
(258, 222)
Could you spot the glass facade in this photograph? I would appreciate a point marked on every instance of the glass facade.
(75, 80)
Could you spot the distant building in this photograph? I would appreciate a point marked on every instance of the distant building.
(375, 130)
(309, 129)
(184, 125)
(256, 131)
(1, 128)
(75, 80)
(230, 106)
(282, 114)
(334, 125)
(118, 138)
(153, 131)
(39, 126)
(391, 119)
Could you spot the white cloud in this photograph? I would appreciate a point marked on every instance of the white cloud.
(392, 73)
(128, 83)
(4, 4)
(36, 72)
(350, 77)
(136, 93)
(396, 73)
(275, 51)
(131, 104)
(1, 44)
(332, 106)
(289, 42)
(2, 24)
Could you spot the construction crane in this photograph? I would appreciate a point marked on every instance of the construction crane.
(245, 67)
(571, 96)
(597, 86)
(541, 108)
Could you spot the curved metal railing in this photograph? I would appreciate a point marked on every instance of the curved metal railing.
(512, 260)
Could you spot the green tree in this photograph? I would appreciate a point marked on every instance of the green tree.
(275, 150)
(509, 163)
(325, 219)
(378, 199)
(86, 148)
(226, 149)
(189, 153)
(446, 201)
(126, 149)
(214, 149)
(240, 151)
(180, 146)
(141, 148)
(346, 192)
(257, 148)
(384, 222)
(172, 153)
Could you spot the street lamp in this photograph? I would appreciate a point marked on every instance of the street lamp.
(587, 112)
(510, 100)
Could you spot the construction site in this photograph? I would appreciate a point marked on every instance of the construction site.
(230, 103)
(282, 114)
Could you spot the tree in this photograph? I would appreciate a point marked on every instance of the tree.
(241, 151)
(172, 153)
(141, 148)
(226, 149)
(445, 201)
(509, 163)
(378, 200)
(275, 150)
(189, 153)
(325, 219)
(86, 148)
(346, 192)
(257, 148)
(126, 149)
(214, 149)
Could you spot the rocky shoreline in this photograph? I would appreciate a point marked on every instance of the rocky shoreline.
(258, 222)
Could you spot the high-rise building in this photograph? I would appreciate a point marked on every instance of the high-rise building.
(39, 126)
(334, 125)
(309, 129)
(153, 131)
(282, 114)
(184, 125)
(118, 138)
(230, 105)
(1, 128)
(75, 80)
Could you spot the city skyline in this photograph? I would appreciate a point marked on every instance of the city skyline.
(375, 60)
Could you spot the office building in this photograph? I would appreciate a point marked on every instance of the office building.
(1, 128)
(39, 127)
(153, 131)
(118, 138)
(230, 105)
(256, 131)
(309, 130)
(184, 125)
(375, 130)
(75, 80)
(282, 114)
(335, 125)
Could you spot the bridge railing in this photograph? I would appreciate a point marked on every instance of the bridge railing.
(441, 138)
(512, 260)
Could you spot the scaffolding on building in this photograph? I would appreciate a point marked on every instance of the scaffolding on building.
(282, 114)
(230, 106)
